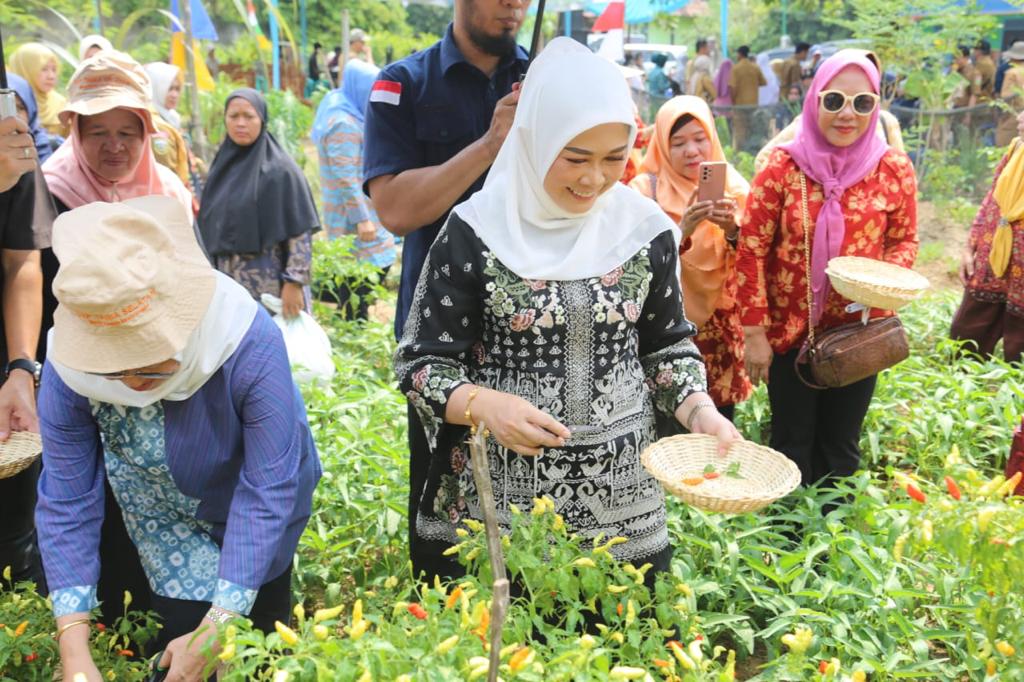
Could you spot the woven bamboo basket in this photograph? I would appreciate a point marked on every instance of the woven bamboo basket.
(765, 475)
(875, 283)
(20, 450)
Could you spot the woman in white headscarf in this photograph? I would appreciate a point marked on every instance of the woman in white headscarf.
(701, 84)
(767, 95)
(91, 44)
(549, 309)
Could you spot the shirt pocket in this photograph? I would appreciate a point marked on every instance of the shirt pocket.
(443, 131)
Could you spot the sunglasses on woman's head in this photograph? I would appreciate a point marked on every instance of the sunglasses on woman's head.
(834, 101)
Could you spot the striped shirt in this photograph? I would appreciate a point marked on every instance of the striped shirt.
(341, 183)
(239, 452)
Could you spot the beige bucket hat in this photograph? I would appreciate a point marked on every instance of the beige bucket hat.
(1016, 51)
(109, 80)
(133, 284)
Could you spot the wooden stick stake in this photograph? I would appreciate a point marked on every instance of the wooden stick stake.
(500, 597)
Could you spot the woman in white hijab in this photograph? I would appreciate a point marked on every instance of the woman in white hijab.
(166, 81)
(767, 95)
(91, 44)
(549, 309)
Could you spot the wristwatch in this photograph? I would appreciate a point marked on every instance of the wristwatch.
(30, 366)
(220, 615)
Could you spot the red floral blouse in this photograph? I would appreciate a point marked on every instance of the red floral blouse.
(984, 285)
(881, 223)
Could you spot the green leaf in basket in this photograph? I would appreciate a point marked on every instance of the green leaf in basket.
(733, 471)
(709, 469)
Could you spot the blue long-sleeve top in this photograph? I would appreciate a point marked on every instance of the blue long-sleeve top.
(238, 467)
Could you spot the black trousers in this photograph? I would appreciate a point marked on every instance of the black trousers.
(818, 429)
(18, 547)
(419, 467)
(354, 296)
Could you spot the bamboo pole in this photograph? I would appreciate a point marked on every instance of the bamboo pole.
(198, 133)
(500, 589)
(343, 59)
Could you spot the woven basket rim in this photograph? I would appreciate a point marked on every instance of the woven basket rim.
(716, 496)
(852, 270)
(18, 452)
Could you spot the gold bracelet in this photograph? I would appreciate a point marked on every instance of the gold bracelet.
(468, 414)
(67, 626)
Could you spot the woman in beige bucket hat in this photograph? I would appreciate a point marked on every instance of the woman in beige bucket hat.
(167, 389)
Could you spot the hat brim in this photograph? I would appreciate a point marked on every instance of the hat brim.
(1016, 56)
(84, 347)
(99, 105)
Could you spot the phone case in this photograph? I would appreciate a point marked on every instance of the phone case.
(711, 182)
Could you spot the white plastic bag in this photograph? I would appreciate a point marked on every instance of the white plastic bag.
(309, 349)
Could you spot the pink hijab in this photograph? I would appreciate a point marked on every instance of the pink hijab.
(834, 168)
(72, 181)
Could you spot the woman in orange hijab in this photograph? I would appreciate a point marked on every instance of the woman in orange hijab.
(684, 136)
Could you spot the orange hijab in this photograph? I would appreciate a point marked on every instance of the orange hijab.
(707, 262)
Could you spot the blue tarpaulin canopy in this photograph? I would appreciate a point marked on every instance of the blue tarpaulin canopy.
(641, 11)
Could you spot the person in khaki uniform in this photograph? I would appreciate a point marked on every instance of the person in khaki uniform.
(792, 72)
(1012, 93)
(986, 69)
(744, 81)
(966, 93)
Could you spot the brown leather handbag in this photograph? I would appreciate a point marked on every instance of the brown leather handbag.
(845, 355)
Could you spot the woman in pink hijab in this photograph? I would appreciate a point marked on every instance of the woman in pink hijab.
(108, 155)
(862, 202)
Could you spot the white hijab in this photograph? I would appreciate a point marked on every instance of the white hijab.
(767, 95)
(226, 322)
(567, 91)
(92, 40)
(161, 76)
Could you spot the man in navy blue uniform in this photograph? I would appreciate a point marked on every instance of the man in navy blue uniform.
(435, 123)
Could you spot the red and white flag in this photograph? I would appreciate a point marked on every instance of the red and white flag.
(389, 92)
(612, 22)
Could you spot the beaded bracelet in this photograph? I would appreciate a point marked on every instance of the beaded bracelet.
(696, 408)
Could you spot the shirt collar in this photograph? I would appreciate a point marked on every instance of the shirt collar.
(452, 55)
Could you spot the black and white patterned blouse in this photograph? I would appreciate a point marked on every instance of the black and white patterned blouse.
(606, 351)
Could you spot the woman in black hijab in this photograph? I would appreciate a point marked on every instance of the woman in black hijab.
(257, 214)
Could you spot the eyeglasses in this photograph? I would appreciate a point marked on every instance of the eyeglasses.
(834, 101)
(112, 376)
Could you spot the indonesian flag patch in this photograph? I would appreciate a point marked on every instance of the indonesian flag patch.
(389, 92)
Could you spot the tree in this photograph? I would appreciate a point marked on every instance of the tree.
(428, 18)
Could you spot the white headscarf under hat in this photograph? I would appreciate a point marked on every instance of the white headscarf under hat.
(568, 90)
(91, 41)
(212, 326)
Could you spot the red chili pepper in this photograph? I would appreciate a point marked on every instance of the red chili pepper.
(916, 494)
(711, 475)
(822, 667)
(101, 627)
(31, 657)
(618, 609)
(127, 653)
(953, 488)
(418, 611)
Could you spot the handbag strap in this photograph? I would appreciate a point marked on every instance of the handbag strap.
(806, 218)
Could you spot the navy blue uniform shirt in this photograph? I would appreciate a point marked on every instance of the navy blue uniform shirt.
(441, 105)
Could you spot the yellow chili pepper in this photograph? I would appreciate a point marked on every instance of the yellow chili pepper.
(357, 611)
(281, 676)
(1005, 648)
(227, 653)
(365, 677)
(898, 546)
(454, 549)
(514, 510)
(127, 599)
(990, 667)
(681, 656)
(617, 589)
(833, 667)
(20, 630)
(585, 561)
(630, 612)
(473, 525)
(300, 613)
(1010, 485)
(358, 629)
(462, 532)
(506, 650)
(321, 632)
(287, 635)
(860, 675)
(320, 615)
(559, 523)
(985, 518)
(618, 637)
(624, 672)
(446, 645)
(475, 552)
(391, 582)
(991, 486)
(7, 573)
(695, 651)
(927, 531)
(587, 642)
